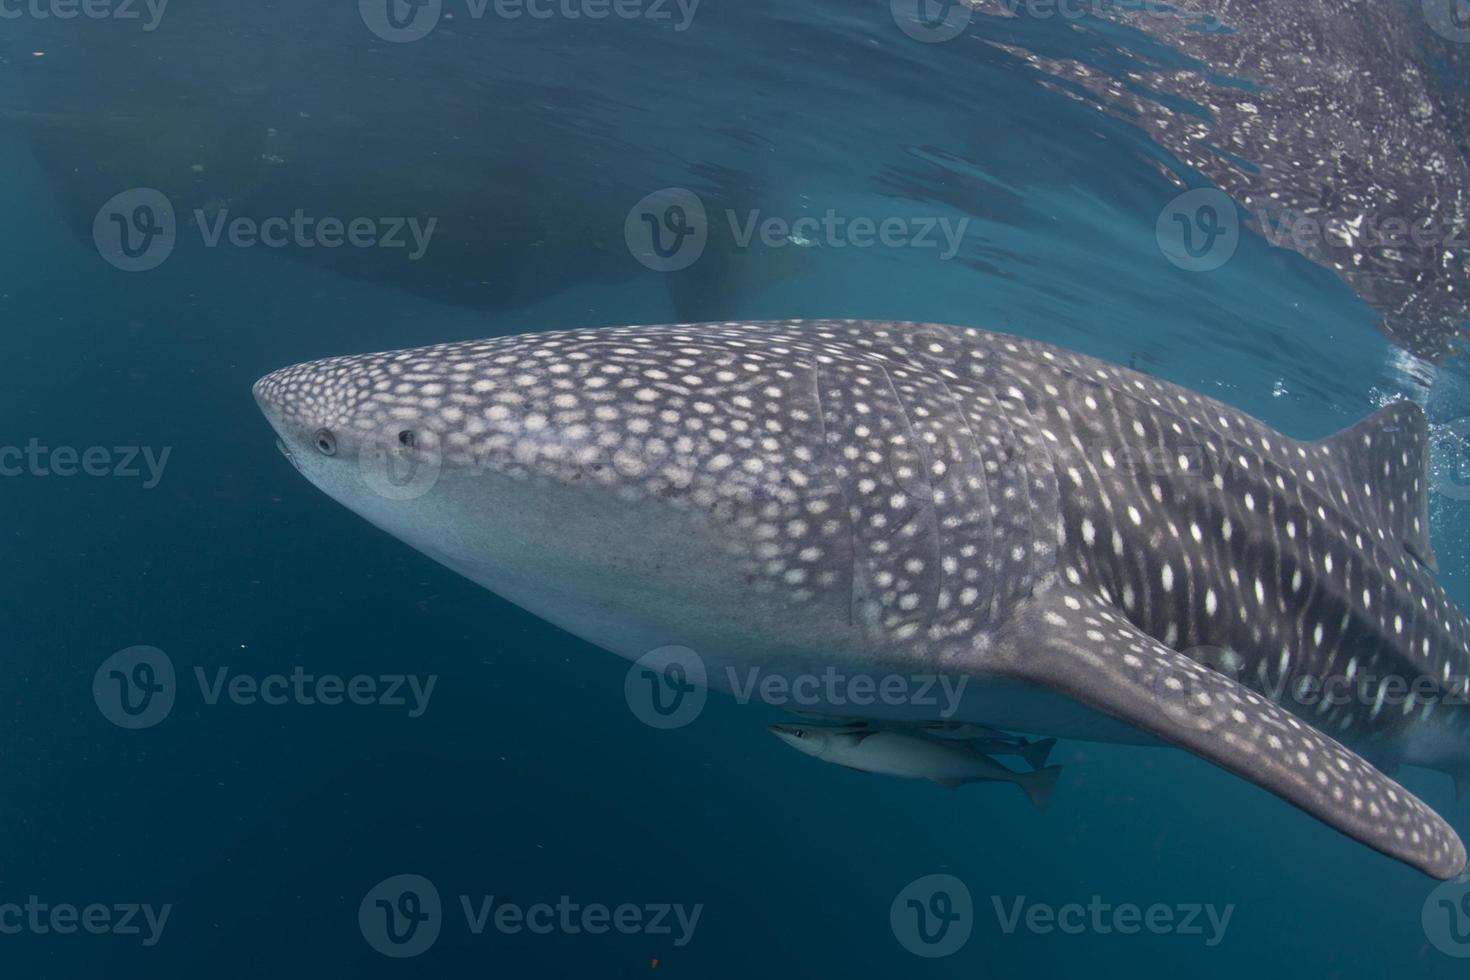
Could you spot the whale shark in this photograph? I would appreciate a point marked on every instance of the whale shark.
(504, 232)
(1081, 550)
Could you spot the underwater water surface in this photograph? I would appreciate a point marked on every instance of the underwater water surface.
(174, 176)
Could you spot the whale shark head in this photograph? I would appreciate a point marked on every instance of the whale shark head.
(638, 487)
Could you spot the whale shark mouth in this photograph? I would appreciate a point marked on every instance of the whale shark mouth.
(290, 456)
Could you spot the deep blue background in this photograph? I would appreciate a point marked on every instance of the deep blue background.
(528, 777)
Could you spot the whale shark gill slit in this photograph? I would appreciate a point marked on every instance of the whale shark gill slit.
(888, 509)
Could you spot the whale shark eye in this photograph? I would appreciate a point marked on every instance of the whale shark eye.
(406, 438)
(326, 442)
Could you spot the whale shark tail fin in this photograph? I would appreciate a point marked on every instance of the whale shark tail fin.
(1387, 461)
(1036, 753)
(1038, 785)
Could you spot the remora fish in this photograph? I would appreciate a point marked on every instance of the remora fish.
(1053, 533)
(968, 731)
(987, 740)
(888, 753)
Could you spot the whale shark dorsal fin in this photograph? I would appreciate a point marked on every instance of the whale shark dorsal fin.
(1078, 645)
(1388, 454)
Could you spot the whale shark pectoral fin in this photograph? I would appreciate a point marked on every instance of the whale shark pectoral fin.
(1077, 645)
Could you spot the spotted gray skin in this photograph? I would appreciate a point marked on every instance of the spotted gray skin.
(1068, 538)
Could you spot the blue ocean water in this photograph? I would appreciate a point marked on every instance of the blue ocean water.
(530, 139)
